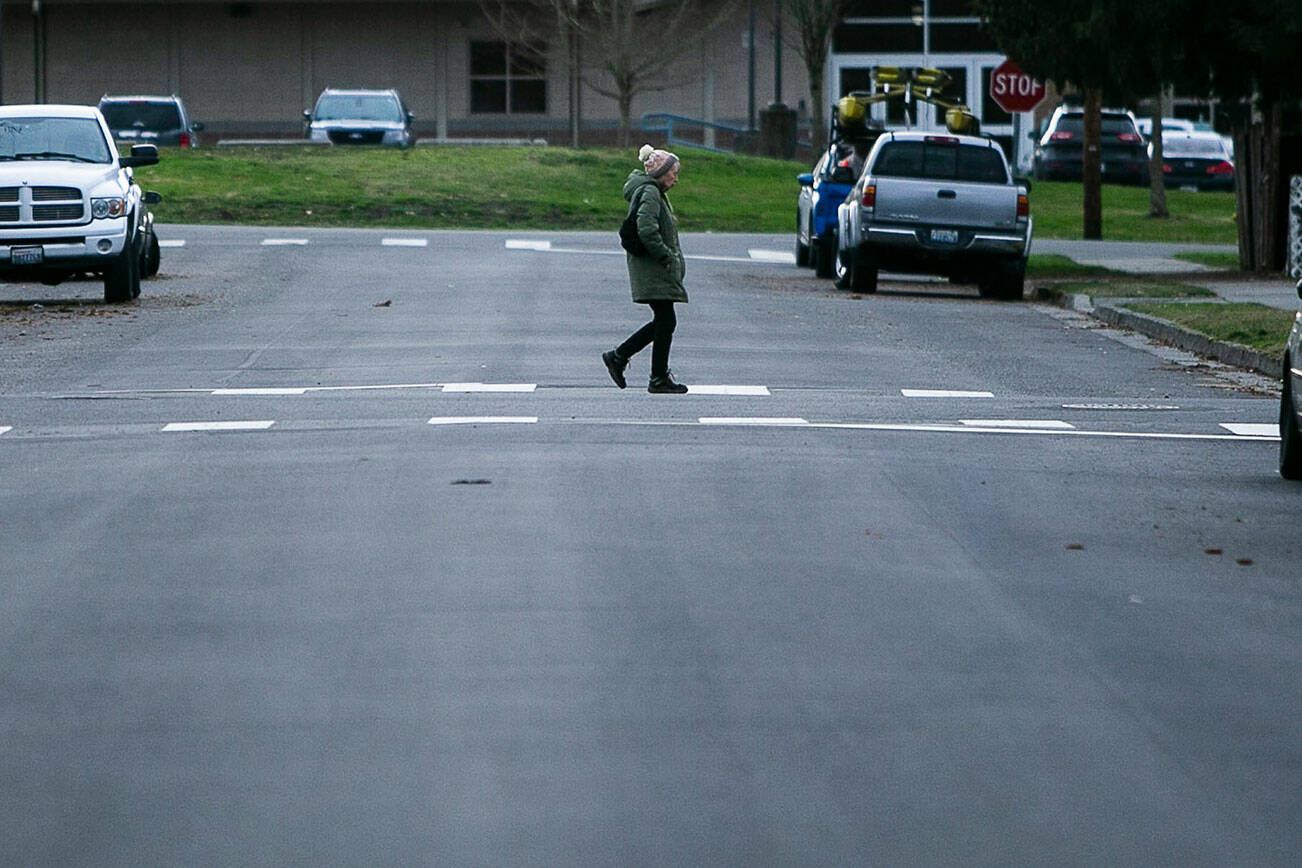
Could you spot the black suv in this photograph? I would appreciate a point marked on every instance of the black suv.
(1058, 151)
(150, 120)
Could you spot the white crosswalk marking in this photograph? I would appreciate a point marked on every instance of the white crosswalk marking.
(284, 242)
(785, 256)
(1252, 429)
(487, 420)
(943, 393)
(524, 244)
(171, 242)
(404, 242)
(728, 390)
(489, 387)
(4, 429)
(250, 425)
(1038, 424)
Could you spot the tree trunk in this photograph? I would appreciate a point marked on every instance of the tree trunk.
(1091, 164)
(1257, 166)
(1156, 177)
(818, 103)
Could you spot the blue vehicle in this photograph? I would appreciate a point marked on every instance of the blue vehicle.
(825, 188)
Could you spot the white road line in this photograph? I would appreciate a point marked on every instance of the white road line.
(284, 242)
(1041, 424)
(489, 387)
(219, 426)
(404, 242)
(753, 420)
(759, 391)
(5, 429)
(171, 242)
(261, 391)
(1252, 429)
(527, 244)
(546, 247)
(487, 420)
(1041, 432)
(773, 256)
(943, 393)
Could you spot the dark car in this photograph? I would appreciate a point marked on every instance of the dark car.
(1290, 403)
(150, 120)
(1196, 159)
(1059, 149)
(359, 117)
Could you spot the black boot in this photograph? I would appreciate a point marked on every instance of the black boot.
(615, 364)
(665, 385)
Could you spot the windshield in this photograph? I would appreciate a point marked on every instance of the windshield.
(946, 161)
(79, 139)
(142, 114)
(358, 107)
(1110, 125)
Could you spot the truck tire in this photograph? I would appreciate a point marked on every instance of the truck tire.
(823, 254)
(1290, 438)
(856, 270)
(1005, 280)
(122, 279)
(153, 257)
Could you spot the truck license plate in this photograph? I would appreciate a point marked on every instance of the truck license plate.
(945, 236)
(27, 255)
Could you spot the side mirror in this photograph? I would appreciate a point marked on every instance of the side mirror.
(196, 127)
(411, 118)
(806, 180)
(1299, 289)
(152, 198)
(141, 155)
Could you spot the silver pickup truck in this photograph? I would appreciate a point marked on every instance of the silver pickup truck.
(936, 204)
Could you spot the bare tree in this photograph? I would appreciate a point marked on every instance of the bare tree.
(625, 48)
(815, 21)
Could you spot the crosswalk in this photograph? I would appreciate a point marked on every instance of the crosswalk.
(659, 410)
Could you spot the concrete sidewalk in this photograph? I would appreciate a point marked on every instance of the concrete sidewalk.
(1150, 258)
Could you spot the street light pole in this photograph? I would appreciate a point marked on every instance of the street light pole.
(750, 117)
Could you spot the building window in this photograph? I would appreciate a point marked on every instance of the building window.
(507, 79)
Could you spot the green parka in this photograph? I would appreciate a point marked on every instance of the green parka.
(658, 276)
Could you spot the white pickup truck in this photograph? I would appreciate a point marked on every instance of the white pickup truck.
(69, 204)
(936, 204)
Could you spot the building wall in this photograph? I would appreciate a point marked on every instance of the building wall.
(252, 68)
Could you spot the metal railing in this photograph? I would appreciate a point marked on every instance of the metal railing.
(662, 122)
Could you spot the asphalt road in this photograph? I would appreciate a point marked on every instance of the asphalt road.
(347, 552)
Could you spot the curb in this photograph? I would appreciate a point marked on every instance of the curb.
(1159, 329)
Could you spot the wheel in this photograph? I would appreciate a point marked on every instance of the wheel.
(152, 258)
(122, 280)
(802, 249)
(1290, 437)
(1005, 280)
(823, 254)
(856, 270)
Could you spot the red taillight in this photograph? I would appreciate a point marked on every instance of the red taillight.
(185, 140)
(1222, 168)
(1023, 206)
(869, 199)
(1061, 137)
(1166, 167)
(944, 140)
(844, 164)
(1129, 137)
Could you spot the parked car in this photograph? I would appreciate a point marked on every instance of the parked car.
(1060, 145)
(1290, 402)
(1196, 159)
(936, 204)
(359, 117)
(152, 120)
(821, 192)
(69, 203)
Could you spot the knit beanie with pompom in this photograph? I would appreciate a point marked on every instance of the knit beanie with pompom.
(656, 161)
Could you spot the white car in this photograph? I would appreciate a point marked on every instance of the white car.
(69, 204)
(1290, 403)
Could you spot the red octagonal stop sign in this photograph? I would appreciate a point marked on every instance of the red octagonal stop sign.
(1013, 90)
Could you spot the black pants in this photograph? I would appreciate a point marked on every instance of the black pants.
(659, 332)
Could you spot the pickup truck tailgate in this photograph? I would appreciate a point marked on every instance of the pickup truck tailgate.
(946, 203)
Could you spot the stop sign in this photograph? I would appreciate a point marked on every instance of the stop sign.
(1013, 90)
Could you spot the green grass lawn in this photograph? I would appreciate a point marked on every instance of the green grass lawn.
(559, 188)
(1251, 325)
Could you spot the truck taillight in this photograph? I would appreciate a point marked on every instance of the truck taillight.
(184, 140)
(870, 196)
(1023, 206)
